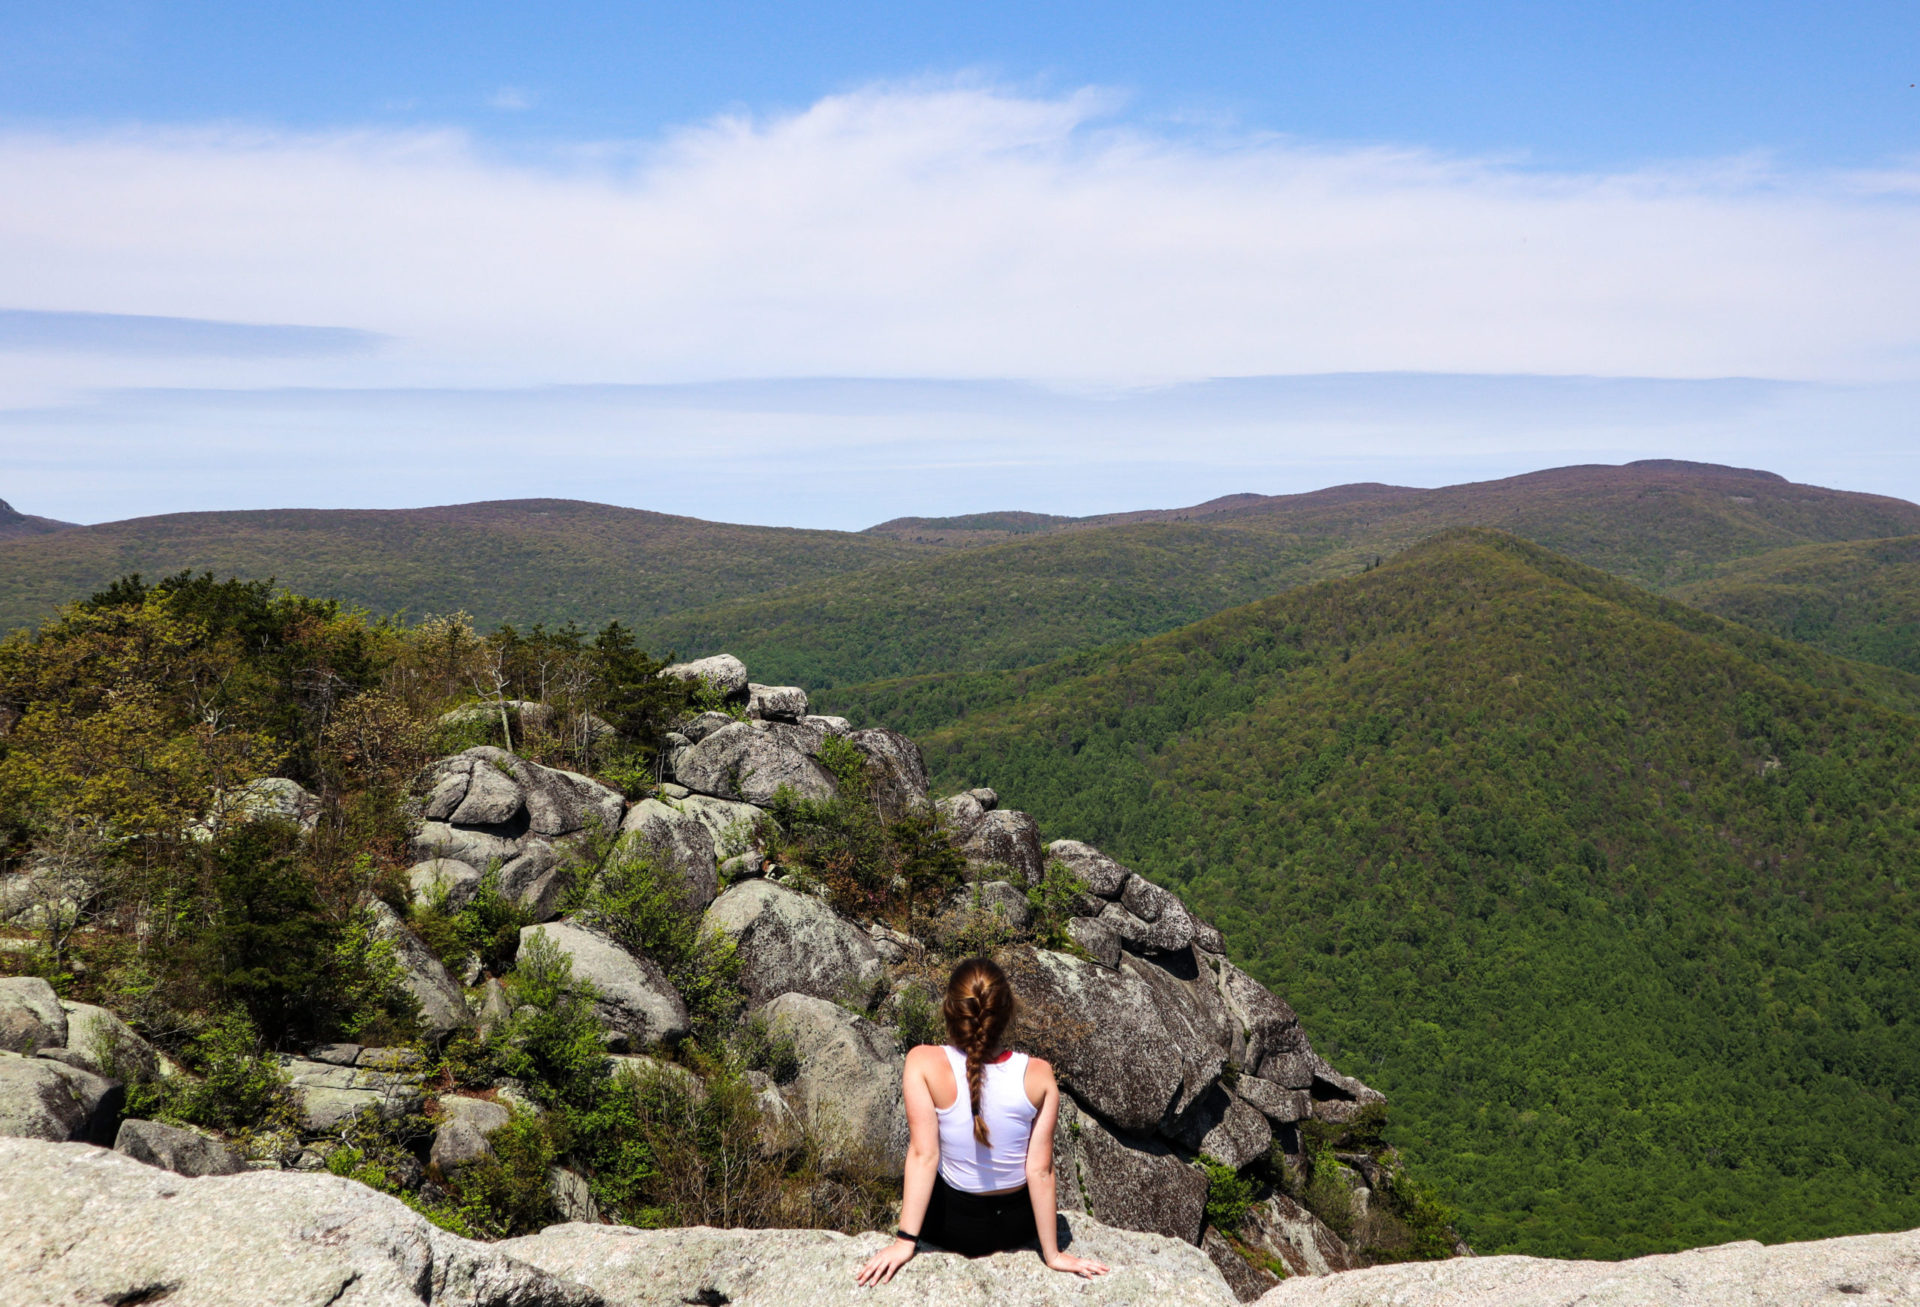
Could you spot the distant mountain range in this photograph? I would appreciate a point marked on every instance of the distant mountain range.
(1007, 589)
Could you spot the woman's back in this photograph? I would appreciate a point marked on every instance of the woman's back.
(1000, 1164)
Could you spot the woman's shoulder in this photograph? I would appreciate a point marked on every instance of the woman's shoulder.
(932, 1054)
(1039, 1067)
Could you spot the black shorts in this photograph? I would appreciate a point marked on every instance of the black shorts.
(974, 1225)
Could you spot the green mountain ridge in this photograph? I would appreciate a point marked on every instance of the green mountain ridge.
(519, 561)
(1613, 902)
(1045, 595)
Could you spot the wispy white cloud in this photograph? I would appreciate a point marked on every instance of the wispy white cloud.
(968, 232)
(510, 98)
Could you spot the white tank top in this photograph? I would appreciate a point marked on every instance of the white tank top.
(967, 1164)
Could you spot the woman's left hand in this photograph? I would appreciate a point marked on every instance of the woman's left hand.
(880, 1267)
(1084, 1267)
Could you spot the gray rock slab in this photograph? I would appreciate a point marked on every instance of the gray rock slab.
(108, 1044)
(1301, 1241)
(89, 1226)
(1112, 1050)
(1280, 1106)
(681, 840)
(1105, 878)
(776, 703)
(1226, 1127)
(896, 767)
(443, 1006)
(792, 943)
(435, 877)
(805, 1268)
(1128, 1180)
(1098, 938)
(848, 1088)
(456, 1143)
(175, 1148)
(635, 1001)
(997, 897)
(1869, 1268)
(481, 1114)
(328, 1095)
(1165, 925)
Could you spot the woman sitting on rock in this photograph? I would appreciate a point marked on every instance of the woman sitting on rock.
(979, 1173)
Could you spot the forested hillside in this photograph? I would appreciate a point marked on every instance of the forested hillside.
(1612, 899)
(1858, 598)
(519, 561)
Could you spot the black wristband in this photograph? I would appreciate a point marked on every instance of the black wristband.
(902, 1234)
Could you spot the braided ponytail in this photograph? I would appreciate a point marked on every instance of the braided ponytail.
(978, 1006)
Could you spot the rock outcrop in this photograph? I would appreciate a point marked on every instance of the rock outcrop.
(751, 761)
(804, 1268)
(1868, 1268)
(84, 1225)
(488, 808)
(443, 1008)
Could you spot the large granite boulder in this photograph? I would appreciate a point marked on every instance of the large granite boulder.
(848, 1088)
(1226, 1127)
(722, 672)
(172, 1148)
(102, 1043)
(89, 1226)
(271, 798)
(1130, 1180)
(1283, 1228)
(896, 770)
(1103, 1031)
(792, 943)
(806, 1268)
(443, 1005)
(31, 1017)
(1006, 839)
(1267, 1039)
(486, 807)
(1105, 878)
(681, 841)
(1867, 1268)
(39, 1100)
(776, 703)
(446, 879)
(633, 998)
(1193, 1015)
(750, 761)
(329, 1094)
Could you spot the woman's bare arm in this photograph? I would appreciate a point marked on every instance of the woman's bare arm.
(1042, 1186)
(923, 1161)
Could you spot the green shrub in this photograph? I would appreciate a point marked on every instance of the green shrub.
(553, 1041)
(506, 1194)
(486, 926)
(919, 1016)
(1229, 1195)
(1054, 900)
(639, 900)
(241, 1087)
(761, 1048)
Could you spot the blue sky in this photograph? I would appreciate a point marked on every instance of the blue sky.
(256, 255)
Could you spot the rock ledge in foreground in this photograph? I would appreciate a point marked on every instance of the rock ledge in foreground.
(804, 1268)
(1868, 1268)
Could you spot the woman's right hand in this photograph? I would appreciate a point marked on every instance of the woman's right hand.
(1084, 1267)
(880, 1267)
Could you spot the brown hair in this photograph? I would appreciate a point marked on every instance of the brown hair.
(978, 1006)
